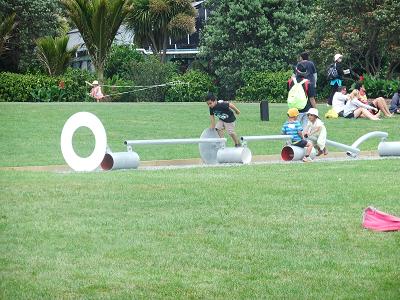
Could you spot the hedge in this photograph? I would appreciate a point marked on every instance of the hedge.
(377, 87)
(70, 87)
(271, 86)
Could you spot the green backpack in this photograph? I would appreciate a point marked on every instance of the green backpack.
(297, 97)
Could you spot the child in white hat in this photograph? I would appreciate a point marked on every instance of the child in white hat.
(96, 91)
(315, 131)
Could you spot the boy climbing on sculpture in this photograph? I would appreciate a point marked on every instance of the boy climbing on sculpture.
(225, 112)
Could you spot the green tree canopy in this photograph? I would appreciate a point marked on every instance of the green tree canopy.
(7, 24)
(34, 19)
(154, 21)
(367, 32)
(98, 22)
(248, 35)
(53, 54)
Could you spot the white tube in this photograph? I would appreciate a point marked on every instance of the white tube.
(373, 134)
(120, 160)
(293, 153)
(240, 155)
(265, 138)
(389, 149)
(343, 147)
(174, 141)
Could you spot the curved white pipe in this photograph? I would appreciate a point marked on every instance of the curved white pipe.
(362, 139)
(373, 134)
(389, 148)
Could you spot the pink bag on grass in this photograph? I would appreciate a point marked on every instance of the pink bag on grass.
(379, 221)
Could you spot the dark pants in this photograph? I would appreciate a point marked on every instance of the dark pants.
(333, 91)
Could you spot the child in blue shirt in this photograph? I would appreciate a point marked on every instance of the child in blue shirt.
(293, 127)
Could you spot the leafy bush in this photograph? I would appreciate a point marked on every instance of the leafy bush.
(194, 87)
(271, 86)
(70, 87)
(377, 87)
(148, 73)
(119, 60)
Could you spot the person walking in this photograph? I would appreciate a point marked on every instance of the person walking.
(311, 74)
(335, 76)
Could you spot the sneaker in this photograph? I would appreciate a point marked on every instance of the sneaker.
(320, 152)
(307, 159)
(325, 151)
(238, 145)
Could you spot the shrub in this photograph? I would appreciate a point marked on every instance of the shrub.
(271, 86)
(194, 87)
(148, 73)
(118, 89)
(377, 87)
(70, 87)
(119, 60)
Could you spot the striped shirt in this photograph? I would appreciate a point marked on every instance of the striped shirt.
(292, 128)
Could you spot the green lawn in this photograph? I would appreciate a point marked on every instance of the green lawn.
(30, 132)
(288, 230)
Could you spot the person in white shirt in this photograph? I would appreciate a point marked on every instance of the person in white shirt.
(339, 100)
(315, 131)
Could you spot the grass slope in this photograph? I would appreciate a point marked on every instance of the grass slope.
(30, 132)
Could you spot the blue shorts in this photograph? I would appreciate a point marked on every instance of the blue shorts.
(301, 143)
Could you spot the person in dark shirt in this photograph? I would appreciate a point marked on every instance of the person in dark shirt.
(395, 103)
(309, 89)
(226, 117)
(336, 82)
(311, 73)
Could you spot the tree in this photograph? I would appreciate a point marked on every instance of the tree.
(154, 21)
(6, 26)
(34, 19)
(119, 60)
(98, 22)
(252, 35)
(53, 54)
(367, 32)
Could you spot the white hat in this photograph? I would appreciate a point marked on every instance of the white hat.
(337, 56)
(95, 82)
(313, 111)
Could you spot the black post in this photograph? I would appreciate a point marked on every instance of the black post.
(264, 111)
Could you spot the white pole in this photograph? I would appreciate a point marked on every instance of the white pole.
(175, 141)
(265, 138)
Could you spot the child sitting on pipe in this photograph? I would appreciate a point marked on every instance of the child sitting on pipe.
(223, 111)
(315, 131)
(293, 127)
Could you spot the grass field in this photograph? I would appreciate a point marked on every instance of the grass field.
(257, 231)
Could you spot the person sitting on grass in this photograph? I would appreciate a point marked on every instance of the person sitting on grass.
(96, 92)
(315, 131)
(395, 104)
(379, 102)
(339, 100)
(356, 109)
(226, 117)
(293, 127)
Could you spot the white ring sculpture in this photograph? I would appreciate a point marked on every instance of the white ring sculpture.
(77, 163)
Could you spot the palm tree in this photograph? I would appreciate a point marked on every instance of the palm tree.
(154, 21)
(53, 54)
(6, 26)
(98, 22)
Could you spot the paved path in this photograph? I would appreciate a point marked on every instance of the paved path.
(196, 162)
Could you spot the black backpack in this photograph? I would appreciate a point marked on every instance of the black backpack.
(332, 72)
